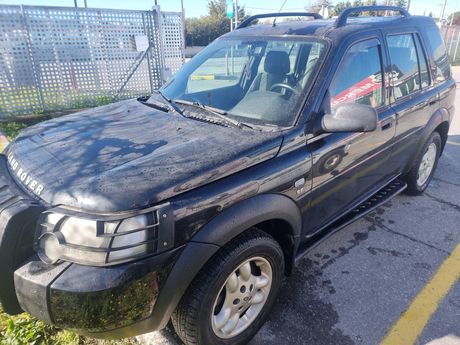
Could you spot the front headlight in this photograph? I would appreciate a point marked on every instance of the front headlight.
(98, 241)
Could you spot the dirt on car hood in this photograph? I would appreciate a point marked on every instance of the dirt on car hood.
(127, 155)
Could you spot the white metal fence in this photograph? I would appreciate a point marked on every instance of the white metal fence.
(55, 58)
(451, 35)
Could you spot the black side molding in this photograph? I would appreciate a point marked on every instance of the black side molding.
(377, 199)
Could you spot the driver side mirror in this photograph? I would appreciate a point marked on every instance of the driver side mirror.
(350, 117)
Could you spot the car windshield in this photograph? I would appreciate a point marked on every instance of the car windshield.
(258, 81)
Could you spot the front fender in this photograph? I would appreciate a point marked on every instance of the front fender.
(248, 213)
(219, 231)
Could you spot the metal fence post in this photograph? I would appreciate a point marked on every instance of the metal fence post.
(149, 54)
(157, 26)
(35, 67)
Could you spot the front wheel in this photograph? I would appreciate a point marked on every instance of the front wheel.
(419, 177)
(230, 298)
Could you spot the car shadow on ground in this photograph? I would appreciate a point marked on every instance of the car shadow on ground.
(302, 315)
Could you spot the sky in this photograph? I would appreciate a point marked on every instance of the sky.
(195, 8)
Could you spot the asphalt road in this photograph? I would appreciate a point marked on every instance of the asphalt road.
(382, 277)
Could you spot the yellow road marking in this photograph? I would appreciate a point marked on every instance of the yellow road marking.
(412, 322)
(202, 77)
(453, 143)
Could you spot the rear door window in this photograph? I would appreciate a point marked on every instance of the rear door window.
(405, 74)
(359, 76)
(441, 67)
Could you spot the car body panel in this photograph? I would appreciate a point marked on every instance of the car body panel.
(128, 156)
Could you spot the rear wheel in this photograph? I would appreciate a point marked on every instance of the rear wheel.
(230, 299)
(419, 177)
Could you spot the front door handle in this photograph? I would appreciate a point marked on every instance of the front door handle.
(387, 126)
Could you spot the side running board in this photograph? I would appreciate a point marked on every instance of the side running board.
(379, 198)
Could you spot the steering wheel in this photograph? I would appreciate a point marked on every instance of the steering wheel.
(284, 86)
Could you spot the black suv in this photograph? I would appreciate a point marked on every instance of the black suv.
(193, 204)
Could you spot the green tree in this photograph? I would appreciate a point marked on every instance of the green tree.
(205, 29)
(343, 5)
(401, 3)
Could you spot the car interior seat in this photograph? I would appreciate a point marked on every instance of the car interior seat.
(276, 69)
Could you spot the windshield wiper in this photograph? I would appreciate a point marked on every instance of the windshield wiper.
(215, 111)
(171, 104)
(156, 105)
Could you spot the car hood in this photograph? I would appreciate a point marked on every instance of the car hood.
(126, 156)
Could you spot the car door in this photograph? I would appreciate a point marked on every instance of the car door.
(413, 95)
(348, 166)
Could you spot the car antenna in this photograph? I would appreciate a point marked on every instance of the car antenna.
(281, 8)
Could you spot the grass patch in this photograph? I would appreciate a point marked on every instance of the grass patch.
(24, 329)
(12, 129)
(27, 100)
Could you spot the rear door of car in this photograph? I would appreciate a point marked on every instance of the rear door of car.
(412, 94)
(349, 166)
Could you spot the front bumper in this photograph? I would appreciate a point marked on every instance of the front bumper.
(100, 302)
(18, 214)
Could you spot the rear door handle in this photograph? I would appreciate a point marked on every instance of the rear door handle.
(432, 102)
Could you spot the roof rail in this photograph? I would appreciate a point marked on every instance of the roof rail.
(249, 20)
(342, 20)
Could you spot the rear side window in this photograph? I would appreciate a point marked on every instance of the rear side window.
(404, 65)
(441, 67)
(359, 76)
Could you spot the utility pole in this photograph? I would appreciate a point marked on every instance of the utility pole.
(230, 9)
(75, 3)
(408, 5)
(236, 13)
(183, 26)
(443, 10)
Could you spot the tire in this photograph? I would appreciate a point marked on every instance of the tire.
(415, 184)
(197, 316)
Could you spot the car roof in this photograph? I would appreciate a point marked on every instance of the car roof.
(326, 27)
